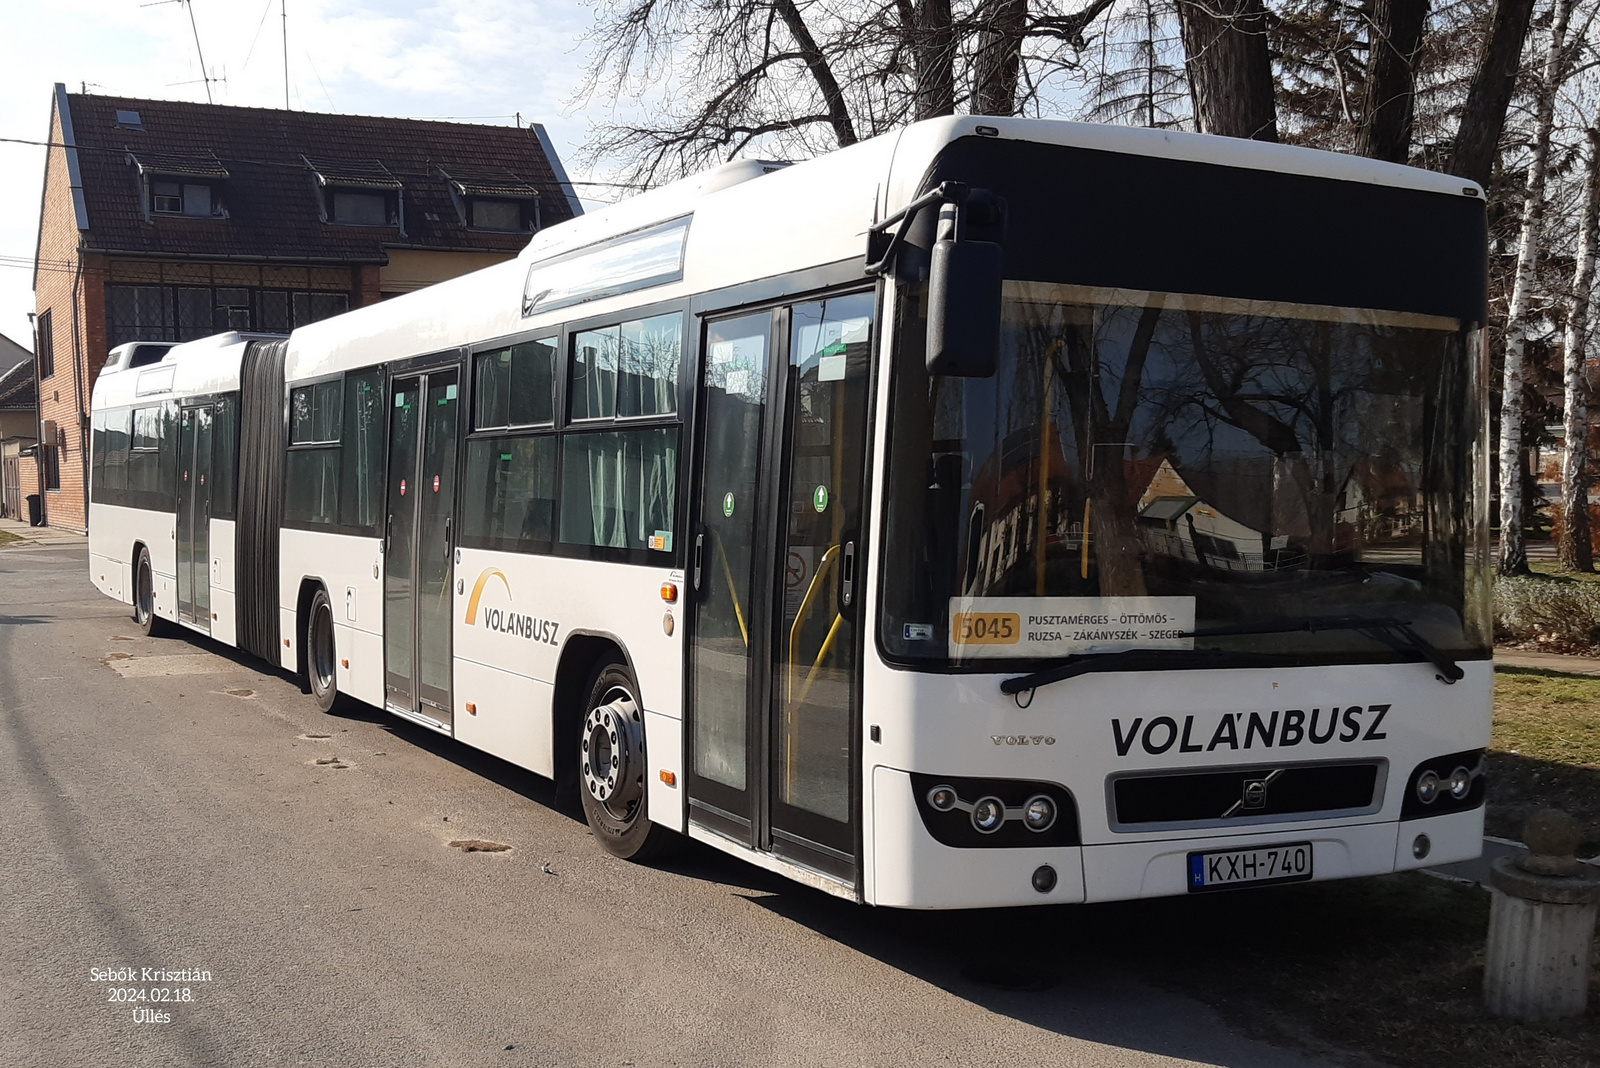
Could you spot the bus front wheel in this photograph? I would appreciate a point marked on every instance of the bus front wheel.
(321, 653)
(611, 768)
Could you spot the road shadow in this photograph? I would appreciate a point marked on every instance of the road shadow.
(1125, 974)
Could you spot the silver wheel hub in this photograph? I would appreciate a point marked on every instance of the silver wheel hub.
(613, 753)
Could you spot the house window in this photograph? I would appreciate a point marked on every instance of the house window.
(497, 215)
(46, 346)
(360, 209)
(52, 467)
(183, 313)
(181, 198)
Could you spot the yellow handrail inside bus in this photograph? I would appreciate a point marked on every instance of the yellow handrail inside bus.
(733, 593)
(823, 567)
(822, 654)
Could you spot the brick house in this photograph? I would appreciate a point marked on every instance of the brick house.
(168, 221)
(18, 428)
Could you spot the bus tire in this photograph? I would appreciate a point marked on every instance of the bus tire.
(144, 597)
(322, 652)
(612, 770)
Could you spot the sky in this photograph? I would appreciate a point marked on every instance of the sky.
(469, 60)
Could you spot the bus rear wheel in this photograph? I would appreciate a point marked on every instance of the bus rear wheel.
(144, 597)
(322, 651)
(611, 768)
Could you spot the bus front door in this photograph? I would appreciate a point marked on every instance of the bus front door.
(774, 651)
(194, 517)
(418, 544)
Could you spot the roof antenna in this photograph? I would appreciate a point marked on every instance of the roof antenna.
(283, 11)
(205, 75)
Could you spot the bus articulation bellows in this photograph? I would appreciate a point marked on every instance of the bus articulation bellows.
(999, 512)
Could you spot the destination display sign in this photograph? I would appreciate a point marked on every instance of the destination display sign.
(1027, 627)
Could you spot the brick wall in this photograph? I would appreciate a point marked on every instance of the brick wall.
(60, 392)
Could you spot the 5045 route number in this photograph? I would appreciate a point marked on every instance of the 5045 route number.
(986, 628)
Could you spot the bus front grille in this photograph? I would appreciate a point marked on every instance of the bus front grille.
(1261, 794)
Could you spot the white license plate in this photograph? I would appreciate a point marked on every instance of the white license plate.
(1249, 867)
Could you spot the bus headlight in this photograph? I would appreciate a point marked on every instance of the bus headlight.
(1459, 783)
(1039, 814)
(1427, 787)
(943, 798)
(988, 815)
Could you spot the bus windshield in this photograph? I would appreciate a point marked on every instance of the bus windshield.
(1148, 467)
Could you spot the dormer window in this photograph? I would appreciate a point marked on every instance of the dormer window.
(360, 209)
(357, 192)
(497, 214)
(493, 198)
(190, 186)
(180, 198)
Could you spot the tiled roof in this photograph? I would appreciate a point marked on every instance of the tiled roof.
(489, 182)
(171, 163)
(273, 160)
(354, 173)
(17, 392)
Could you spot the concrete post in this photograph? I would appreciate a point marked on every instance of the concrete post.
(1541, 924)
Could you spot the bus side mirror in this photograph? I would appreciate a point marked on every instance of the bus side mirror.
(964, 296)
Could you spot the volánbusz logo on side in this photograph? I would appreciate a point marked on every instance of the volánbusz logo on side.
(517, 624)
(1252, 730)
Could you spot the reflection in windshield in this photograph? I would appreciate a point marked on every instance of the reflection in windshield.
(1266, 460)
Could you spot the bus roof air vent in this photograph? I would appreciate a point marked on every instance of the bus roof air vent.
(737, 172)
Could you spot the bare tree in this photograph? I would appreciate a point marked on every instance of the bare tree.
(1394, 40)
(1483, 117)
(1230, 70)
(1513, 551)
(1575, 549)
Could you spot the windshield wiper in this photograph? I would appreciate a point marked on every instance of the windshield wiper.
(1089, 663)
(1395, 633)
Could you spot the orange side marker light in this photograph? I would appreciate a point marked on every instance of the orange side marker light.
(669, 592)
(472, 709)
(669, 778)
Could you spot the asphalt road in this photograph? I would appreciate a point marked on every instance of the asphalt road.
(173, 813)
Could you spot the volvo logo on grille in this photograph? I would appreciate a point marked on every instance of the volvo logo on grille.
(1253, 794)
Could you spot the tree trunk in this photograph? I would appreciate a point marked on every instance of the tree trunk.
(1513, 552)
(935, 41)
(999, 58)
(1484, 116)
(1575, 549)
(844, 130)
(1395, 36)
(1230, 72)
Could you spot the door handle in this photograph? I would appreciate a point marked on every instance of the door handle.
(847, 574)
(699, 555)
(447, 537)
(388, 533)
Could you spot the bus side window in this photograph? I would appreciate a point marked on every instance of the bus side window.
(361, 465)
(311, 474)
(224, 455)
(98, 474)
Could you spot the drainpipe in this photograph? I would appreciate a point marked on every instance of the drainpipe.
(80, 371)
(38, 416)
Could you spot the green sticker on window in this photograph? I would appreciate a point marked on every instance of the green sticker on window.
(505, 457)
(727, 504)
(819, 499)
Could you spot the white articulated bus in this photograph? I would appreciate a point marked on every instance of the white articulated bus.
(997, 512)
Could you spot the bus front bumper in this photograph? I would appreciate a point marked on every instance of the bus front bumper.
(917, 871)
